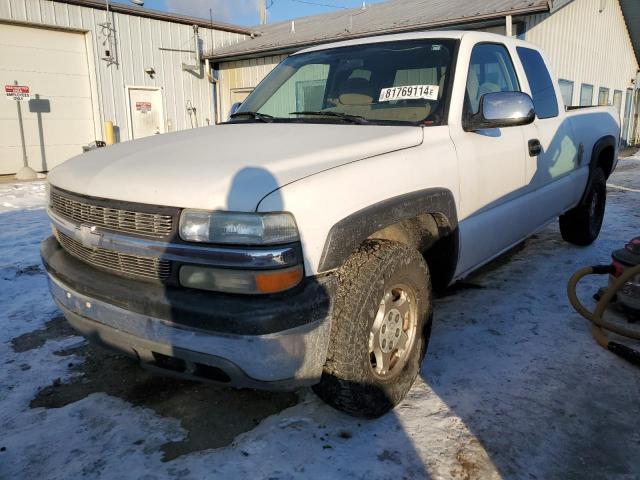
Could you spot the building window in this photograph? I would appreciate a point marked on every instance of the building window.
(603, 96)
(586, 95)
(617, 100)
(566, 89)
(542, 90)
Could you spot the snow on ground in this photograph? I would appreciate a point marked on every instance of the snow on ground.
(513, 385)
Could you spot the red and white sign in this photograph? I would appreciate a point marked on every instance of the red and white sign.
(17, 92)
(143, 107)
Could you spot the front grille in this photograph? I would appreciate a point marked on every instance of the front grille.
(118, 220)
(148, 268)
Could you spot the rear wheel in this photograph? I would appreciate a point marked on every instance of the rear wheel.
(581, 226)
(380, 329)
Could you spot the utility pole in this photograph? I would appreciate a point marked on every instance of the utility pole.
(263, 11)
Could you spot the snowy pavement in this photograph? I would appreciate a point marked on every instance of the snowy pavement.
(513, 385)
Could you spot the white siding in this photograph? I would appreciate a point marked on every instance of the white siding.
(586, 45)
(137, 41)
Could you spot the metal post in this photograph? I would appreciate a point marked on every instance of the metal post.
(263, 11)
(25, 162)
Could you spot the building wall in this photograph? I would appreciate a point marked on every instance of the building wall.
(137, 46)
(587, 41)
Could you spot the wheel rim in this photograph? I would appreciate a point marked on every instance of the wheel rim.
(393, 332)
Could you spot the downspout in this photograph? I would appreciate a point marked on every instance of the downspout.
(508, 26)
(213, 80)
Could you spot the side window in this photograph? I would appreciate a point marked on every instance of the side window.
(566, 88)
(490, 71)
(542, 91)
(617, 100)
(603, 96)
(586, 95)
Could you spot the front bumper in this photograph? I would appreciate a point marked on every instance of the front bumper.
(275, 342)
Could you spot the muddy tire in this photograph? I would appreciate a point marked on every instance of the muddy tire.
(380, 329)
(581, 226)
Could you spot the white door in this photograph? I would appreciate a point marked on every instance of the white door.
(58, 119)
(492, 164)
(147, 114)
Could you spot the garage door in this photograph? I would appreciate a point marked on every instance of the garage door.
(58, 119)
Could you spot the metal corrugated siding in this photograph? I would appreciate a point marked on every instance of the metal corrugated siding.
(394, 15)
(585, 45)
(138, 39)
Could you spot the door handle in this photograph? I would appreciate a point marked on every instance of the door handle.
(535, 148)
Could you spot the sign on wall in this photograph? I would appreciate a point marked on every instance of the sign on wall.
(143, 107)
(16, 92)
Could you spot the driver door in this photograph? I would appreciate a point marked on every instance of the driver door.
(492, 164)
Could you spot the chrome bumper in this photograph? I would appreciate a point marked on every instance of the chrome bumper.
(281, 360)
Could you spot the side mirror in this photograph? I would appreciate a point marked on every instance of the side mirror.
(502, 109)
(234, 108)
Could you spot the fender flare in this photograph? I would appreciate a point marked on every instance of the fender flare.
(602, 143)
(349, 233)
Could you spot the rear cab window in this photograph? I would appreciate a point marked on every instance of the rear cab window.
(543, 92)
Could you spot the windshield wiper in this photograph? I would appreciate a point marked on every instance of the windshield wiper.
(263, 117)
(345, 116)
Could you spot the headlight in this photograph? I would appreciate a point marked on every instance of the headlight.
(237, 227)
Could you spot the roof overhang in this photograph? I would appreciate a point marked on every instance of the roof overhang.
(631, 13)
(243, 50)
(158, 15)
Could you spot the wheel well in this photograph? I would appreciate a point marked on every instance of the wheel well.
(432, 235)
(605, 160)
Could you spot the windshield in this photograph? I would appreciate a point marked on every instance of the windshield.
(392, 82)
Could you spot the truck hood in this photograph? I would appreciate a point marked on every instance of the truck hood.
(229, 167)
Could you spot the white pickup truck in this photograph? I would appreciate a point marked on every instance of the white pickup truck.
(298, 243)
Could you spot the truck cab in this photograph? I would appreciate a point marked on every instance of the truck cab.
(298, 243)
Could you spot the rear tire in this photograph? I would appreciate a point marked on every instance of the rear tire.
(581, 226)
(380, 329)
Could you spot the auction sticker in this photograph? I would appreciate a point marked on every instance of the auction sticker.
(409, 92)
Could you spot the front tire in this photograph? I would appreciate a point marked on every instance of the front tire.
(581, 226)
(380, 329)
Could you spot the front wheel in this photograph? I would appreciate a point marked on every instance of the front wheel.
(581, 226)
(380, 329)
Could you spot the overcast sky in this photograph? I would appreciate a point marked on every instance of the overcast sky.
(245, 12)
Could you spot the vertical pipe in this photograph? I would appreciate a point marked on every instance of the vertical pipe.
(508, 26)
(25, 161)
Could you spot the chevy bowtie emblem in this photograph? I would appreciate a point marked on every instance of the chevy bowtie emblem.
(88, 236)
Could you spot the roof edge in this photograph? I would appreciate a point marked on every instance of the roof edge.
(284, 48)
(158, 15)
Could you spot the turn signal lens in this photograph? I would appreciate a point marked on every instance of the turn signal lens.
(240, 281)
(278, 281)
